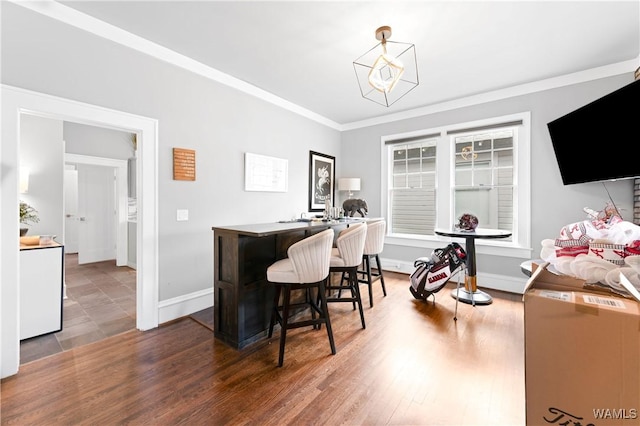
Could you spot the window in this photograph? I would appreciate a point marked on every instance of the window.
(483, 177)
(412, 193)
(434, 176)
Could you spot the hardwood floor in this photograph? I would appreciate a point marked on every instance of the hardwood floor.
(412, 365)
(101, 302)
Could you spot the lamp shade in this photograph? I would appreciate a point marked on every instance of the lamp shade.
(349, 184)
(24, 179)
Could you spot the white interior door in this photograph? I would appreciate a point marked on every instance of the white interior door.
(70, 210)
(97, 213)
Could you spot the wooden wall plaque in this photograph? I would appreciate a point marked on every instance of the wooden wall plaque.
(184, 164)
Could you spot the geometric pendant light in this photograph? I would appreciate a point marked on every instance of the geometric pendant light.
(388, 71)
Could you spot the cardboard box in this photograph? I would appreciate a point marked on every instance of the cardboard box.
(582, 353)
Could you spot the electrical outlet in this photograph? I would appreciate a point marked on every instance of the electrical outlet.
(182, 215)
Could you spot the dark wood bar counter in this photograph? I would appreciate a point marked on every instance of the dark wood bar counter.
(242, 299)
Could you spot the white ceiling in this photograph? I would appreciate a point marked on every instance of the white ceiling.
(302, 51)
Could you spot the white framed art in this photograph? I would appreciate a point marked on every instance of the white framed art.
(264, 173)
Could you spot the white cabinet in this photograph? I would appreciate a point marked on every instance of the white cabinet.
(41, 278)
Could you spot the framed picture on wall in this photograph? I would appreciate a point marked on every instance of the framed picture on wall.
(322, 169)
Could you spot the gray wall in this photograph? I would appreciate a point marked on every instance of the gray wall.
(97, 141)
(553, 205)
(41, 150)
(218, 122)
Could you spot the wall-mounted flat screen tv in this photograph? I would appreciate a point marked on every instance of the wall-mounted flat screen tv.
(601, 140)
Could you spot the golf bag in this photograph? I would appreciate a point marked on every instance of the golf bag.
(433, 272)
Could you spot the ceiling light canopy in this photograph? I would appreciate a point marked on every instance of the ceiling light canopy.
(388, 71)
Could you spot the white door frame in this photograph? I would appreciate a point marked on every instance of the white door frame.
(120, 167)
(14, 102)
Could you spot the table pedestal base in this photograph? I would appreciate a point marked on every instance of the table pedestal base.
(470, 294)
(477, 297)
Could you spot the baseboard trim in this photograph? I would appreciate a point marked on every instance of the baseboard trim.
(169, 310)
(488, 281)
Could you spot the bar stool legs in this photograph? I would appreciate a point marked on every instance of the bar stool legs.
(350, 275)
(369, 277)
(281, 313)
(373, 246)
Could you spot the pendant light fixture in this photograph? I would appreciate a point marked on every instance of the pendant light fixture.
(388, 71)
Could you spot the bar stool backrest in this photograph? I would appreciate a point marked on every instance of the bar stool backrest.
(350, 244)
(375, 237)
(311, 257)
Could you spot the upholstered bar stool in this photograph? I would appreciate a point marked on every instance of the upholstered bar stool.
(306, 267)
(346, 258)
(373, 246)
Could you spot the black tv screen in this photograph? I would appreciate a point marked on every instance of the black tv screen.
(599, 141)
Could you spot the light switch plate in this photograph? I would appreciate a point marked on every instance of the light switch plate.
(182, 215)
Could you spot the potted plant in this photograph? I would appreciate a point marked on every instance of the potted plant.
(27, 215)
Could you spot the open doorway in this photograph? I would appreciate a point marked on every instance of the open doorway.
(99, 288)
(98, 224)
(99, 295)
(16, 102)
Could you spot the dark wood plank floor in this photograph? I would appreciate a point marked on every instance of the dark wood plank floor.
(412, 365)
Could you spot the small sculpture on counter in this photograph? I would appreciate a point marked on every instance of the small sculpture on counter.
(468, 222)
(353, 205)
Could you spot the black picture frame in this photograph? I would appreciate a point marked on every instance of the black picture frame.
(322, 170)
